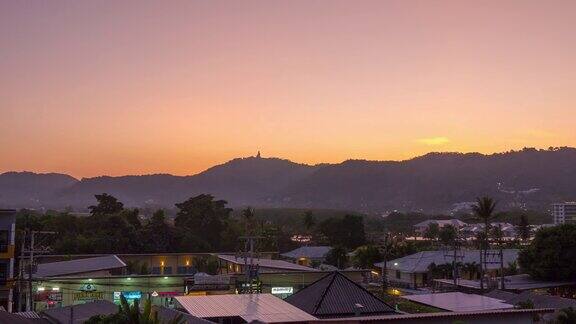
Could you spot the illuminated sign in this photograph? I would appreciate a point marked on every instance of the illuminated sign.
(129, 295)
(88, 295)
(88, 287)
(282, 290)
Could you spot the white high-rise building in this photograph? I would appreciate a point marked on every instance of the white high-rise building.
(564, 213)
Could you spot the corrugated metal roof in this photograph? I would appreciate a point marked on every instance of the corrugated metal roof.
(267, 263)
(312, 252)
(335, 295)
(167, 314)
(81, 312)
(447, 315)
(64, 268)
(459, 302)
(262, 307)
(539, 300)
(421, 261)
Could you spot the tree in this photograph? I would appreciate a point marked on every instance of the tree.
(432, 232)
(484, 211)
(309, 221)
(347, 231)
(157, 233)
(552, 254)
(365, 257)
(567, 316)
(448, 235)
(337, 257)
(523, 228)
(203, 217)
(134, 315)
(249, 219)
(107, 205)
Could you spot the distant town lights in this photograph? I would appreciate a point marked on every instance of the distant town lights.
(55, 288)
(41, 288)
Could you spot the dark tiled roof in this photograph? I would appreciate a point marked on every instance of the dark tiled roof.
(7, 318)
(312, 252)
(167, 314)
(63, 268)
(336, 296)
(81, 312)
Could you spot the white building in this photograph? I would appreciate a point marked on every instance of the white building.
(564, 213)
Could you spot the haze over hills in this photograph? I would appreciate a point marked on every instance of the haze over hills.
(432, 183)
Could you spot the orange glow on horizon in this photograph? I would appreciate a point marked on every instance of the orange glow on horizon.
(140, 87)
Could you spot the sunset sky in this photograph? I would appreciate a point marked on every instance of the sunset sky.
(135, 87)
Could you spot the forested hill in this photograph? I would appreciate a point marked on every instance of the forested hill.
(431, 183)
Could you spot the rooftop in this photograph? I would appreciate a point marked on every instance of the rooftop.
(312, 252)
(441, 222)
(267, 263)
(539, 300)
(82, 312)
(451, 317)
(519, 282)
(64, 268)
(459, 302)
(262, 307)
(334, 295)
(168, 314)
(419, 262)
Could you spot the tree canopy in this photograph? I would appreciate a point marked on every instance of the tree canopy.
(552, 254)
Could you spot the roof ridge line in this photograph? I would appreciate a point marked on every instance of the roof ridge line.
(367, 291)
(319, 302)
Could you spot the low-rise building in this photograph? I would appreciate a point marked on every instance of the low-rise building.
(335, 295)
(564, 213)
(310, 256)
(423, 226)
(412, 271)
(264, 308)
(7, 237)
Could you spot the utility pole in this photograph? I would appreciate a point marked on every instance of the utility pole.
(32, 250)
(29, 300)
(21, 272)
(385, 250)
(252, 271)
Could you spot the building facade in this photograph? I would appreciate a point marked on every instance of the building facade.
(564, 213)
(7, 238)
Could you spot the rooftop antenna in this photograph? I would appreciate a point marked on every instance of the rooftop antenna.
(251, 268)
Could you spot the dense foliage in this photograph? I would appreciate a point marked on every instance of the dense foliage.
(201, 224)
(552, 254)
(134, 314)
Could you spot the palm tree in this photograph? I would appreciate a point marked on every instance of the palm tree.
(567, 316)
(131, 315)
(309, 220)
(484, 211)
(249, 216)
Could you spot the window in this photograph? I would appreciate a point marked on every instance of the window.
(3, 273)
(4, 241)
(167, 270)
(155, 270)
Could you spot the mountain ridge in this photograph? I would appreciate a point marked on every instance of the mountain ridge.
(435, 181)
